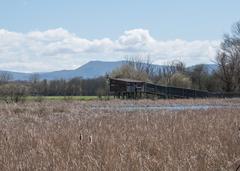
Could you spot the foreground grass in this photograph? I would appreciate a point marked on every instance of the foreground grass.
(59, 135)
(35, 98)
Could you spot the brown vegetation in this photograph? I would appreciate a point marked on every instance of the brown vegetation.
(74, 136)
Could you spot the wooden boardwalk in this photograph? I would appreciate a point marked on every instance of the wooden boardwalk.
(134, 89)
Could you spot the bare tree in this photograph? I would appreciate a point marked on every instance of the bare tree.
(164, 74)
(13, 92)
(5, 77)
(138, 68)
(228, 60)
(198, 76)
(180, 80)
(141, 64)
(34, 78)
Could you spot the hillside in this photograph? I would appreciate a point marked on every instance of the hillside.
(91, 69)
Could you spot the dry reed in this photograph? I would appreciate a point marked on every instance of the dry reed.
(55, 135)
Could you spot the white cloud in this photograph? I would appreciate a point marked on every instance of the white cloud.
(137, 40)
(59, 49)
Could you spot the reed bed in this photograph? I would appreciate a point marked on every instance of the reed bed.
(70, 135)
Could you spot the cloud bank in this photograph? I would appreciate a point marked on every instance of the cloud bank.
(58, 49)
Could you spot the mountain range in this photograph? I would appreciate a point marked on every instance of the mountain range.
(91, 69)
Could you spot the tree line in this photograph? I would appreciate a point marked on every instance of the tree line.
(18, 90)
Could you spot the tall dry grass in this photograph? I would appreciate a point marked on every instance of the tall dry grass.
(73, 136)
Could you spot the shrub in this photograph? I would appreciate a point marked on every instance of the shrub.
(180, 80)
(13, 92)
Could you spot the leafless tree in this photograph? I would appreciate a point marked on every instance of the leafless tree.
(228, 60)
(141, 64)
(5, 77)
(165, 73)
(13, 92)
(139, 68)
(34, 78)
(35, 86)
(198, 75)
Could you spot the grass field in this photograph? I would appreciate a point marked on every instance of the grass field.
(34, 98)
(76, 135)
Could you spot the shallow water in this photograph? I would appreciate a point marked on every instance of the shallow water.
(165, 107)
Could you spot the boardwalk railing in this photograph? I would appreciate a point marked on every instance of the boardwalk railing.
(127, 88)
(176, 92)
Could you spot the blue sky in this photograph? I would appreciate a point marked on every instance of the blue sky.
(145, 25)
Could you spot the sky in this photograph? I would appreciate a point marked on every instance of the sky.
(48, 35)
